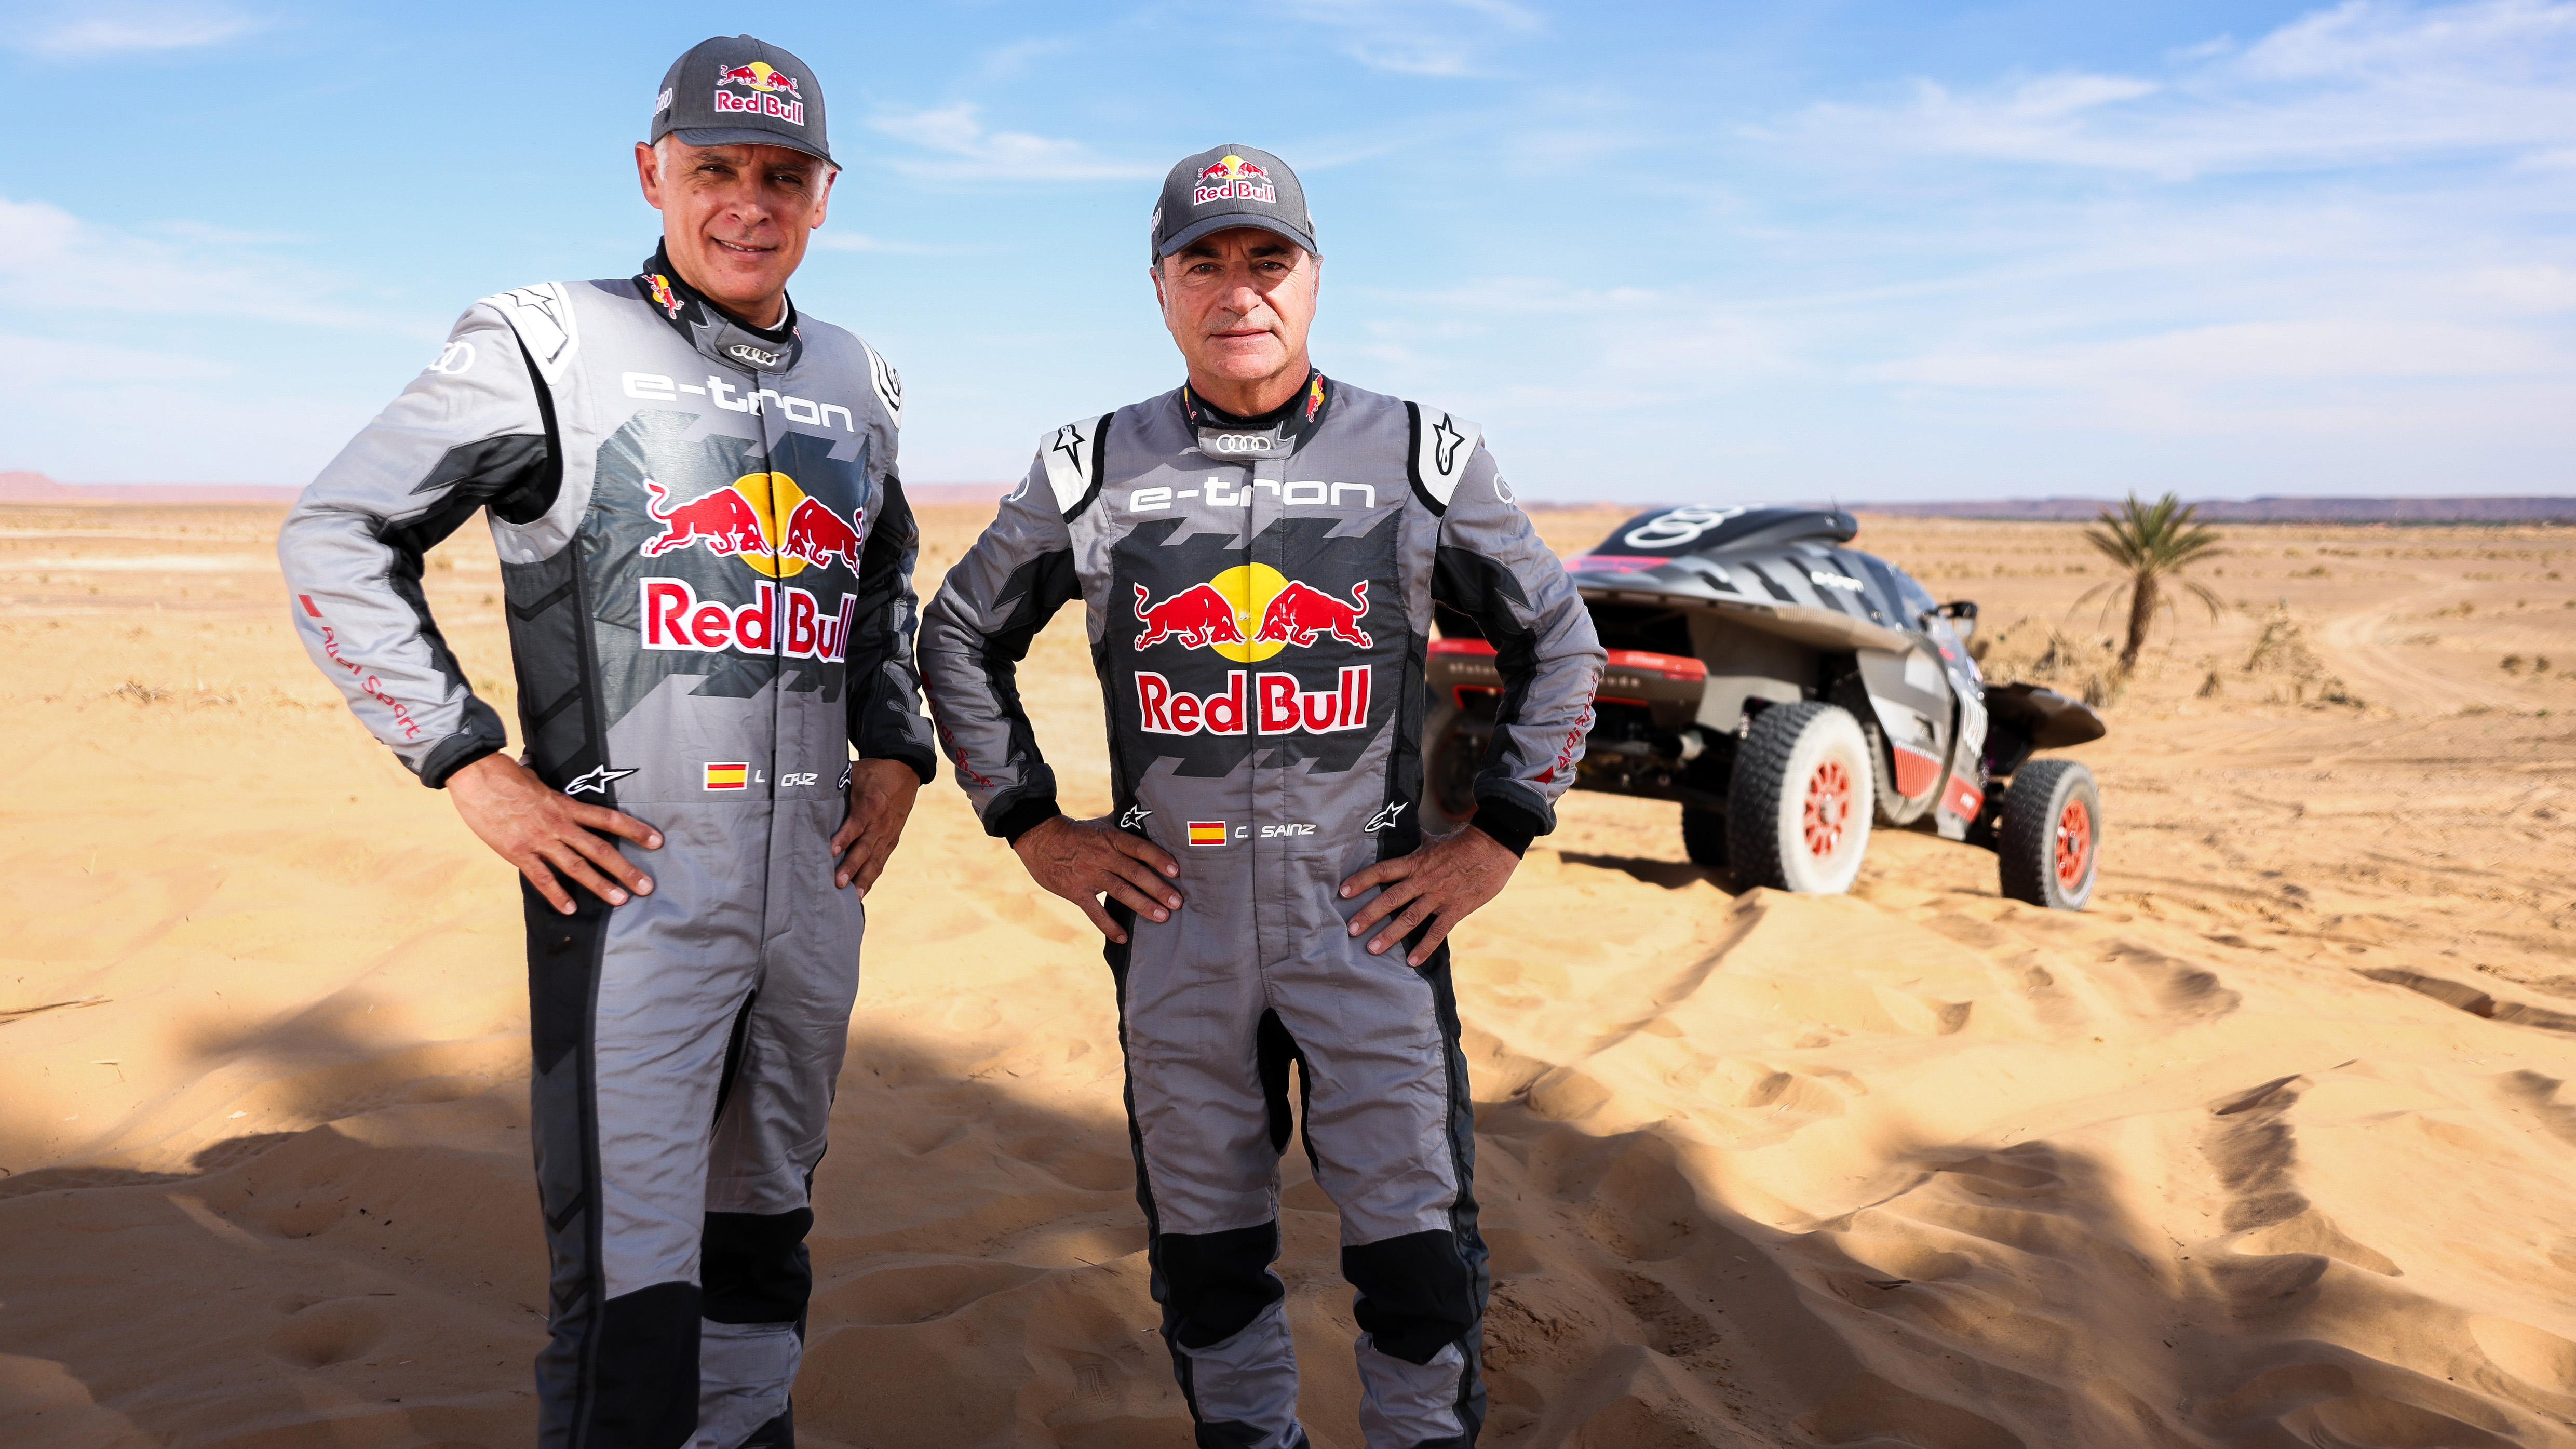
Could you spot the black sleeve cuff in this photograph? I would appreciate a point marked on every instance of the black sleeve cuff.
(1021, 817)
(452, 755)
(923, 762)
(1512, 826)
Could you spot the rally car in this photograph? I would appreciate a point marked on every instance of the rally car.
(1787, 692)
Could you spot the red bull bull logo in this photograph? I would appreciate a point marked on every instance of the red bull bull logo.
(767, 84)
(663, 297)
(1198, 616)
(1232, 178)
(1298, 613)
(760, 75)
(763, 519)
(1249, 612)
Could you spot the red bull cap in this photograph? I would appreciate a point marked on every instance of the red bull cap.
(1230, 186)
(741, 92)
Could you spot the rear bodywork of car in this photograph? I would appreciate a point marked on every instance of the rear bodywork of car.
(1711, 615)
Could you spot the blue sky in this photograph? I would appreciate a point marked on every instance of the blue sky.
(1730, 251)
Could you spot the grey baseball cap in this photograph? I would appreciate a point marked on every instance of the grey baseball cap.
(1227, 186)
(741, 92)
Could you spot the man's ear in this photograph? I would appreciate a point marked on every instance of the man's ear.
(1162, 303)
(823, 196)
(648, 173)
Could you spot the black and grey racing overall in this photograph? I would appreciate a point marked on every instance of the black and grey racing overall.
(706, 561)
(1259, 597)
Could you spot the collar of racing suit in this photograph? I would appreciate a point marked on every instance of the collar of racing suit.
(707, 327)
(1292, 422)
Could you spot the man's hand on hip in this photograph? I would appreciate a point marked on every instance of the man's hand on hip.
(1442, 882)
(881, 793)
(544, 831)
(1082, 860)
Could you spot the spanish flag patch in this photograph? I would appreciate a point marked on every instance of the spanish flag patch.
(1207, 832)
(730, 775)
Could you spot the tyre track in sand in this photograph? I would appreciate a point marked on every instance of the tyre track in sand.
(2357, 647)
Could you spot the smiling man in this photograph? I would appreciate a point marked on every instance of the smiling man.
(1260, 551)
(706, 562)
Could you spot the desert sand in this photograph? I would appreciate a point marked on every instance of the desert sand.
(2271, 1147)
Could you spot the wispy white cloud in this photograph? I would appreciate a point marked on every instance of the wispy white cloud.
(116, 29)
(1016, 58)
(2226, 355)
(962, 148)
(2532, 289)
(52, 262)
(1422, 37)
(2364, 83)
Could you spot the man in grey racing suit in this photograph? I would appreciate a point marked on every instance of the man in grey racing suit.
(706, 560)
(1259, 553)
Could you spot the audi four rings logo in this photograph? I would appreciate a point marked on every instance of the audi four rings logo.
(756, 356)
(1675, 527)
(456, 357)
(1241, 443)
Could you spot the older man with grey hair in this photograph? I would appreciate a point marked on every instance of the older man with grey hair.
(1259, 552)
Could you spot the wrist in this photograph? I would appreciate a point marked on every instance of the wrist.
(479, 772)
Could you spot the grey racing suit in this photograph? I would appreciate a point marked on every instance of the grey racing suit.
(1259, 595)
(706, 565)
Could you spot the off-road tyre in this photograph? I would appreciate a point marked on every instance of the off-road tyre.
(1704, 837)
(2048, 845)
(1798, 809)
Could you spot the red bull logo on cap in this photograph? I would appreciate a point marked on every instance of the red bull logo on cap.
(763, 519)
(767, 84)
(1232, 178)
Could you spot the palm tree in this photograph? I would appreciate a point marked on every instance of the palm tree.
(2150, 542)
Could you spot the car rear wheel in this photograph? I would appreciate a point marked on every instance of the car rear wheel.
(2049, 842)
(1704, 836)
(1799, 805)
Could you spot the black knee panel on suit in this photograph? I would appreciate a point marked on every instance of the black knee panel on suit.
(647, 1368)
(1218, 1282)
(755, 1267)
(1417, 1293)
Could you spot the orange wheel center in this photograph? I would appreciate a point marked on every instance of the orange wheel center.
(2074, 844)
(1828, 807)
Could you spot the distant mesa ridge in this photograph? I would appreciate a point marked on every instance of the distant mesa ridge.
(37, 488)
(28, 487)
(2260, 510)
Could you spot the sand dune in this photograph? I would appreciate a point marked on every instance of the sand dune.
(2271, 1148)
